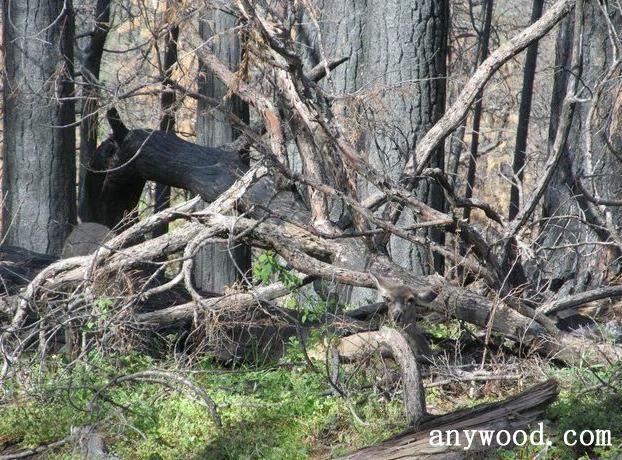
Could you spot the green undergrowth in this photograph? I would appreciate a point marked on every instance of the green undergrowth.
(287, 411)
(284, 412)
(590, 399)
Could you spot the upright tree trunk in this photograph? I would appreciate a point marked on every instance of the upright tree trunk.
(39, 159)
(522, 130)
(428, 52)
(214, 265)
(400, 45)
(573, 264)
(457, 144)
(90, 99)
(167, 102)
(484, 38)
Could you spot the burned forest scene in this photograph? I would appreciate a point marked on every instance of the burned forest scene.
(311, 229)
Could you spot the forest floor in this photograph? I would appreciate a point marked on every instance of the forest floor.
(283, 411)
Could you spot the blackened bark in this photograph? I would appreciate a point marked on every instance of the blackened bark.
(90, 74)
(214, 266)
(39, 161)
(522, 129)
(511, 257)
(484, 39)
(113, 194)
(457, 144)
(432, 24)
(167, 124)
(401, 45)
(572, 264)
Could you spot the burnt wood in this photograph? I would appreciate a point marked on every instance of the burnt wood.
(18, 266)
(125, 161)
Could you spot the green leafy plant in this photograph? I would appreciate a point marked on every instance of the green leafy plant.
(314, 310)
(101, 312)
(267, 266)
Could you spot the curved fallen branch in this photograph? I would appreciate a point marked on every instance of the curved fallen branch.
(414, 394)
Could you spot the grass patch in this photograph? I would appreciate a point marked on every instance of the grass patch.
(287, 411)
(585, 402)
(283, 412)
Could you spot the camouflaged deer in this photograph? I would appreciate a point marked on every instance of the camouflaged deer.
(402, 302)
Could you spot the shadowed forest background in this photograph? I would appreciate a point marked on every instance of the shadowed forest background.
(309, 228)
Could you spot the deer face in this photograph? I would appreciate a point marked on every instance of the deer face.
(401, 300)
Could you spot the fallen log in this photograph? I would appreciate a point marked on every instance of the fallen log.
(143, 155)
(18, 266)
(306, 251)
(515, 413)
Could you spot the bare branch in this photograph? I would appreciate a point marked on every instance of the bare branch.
(454, 114)
(557, 149)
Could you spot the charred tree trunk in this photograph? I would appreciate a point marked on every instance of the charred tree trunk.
(389, 131)
(218, 265)
(457, 144)
(484, 39)
(573, 264)
(90, 103)
(167, 101)
(511, 258)
(39, 161)
(430, 66)
(164, 158)
(522, 130)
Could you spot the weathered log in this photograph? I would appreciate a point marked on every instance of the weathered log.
(513, 414)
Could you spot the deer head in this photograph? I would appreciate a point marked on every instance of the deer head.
(402, 300)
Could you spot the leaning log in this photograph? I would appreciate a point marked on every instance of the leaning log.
(516, 413)
(124, 162)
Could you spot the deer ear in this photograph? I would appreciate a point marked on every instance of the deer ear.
(426, 296)
(383, 285)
